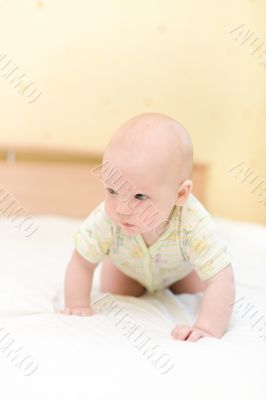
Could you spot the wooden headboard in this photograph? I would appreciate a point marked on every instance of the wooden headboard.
(60, 182)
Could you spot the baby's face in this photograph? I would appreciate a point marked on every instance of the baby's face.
(145, 165)
(138, 198)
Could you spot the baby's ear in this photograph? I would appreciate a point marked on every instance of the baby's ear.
(183, 192)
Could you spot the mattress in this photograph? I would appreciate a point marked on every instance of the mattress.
(125, 350)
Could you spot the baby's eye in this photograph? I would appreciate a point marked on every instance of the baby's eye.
(111, 191)
(141, 196)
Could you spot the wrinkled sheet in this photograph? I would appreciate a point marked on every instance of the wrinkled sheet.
(47, 355)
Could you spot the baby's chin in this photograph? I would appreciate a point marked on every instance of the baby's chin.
(134, 230)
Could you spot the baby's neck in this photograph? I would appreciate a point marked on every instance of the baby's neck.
(151, 237)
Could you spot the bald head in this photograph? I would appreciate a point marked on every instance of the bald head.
(158, 139)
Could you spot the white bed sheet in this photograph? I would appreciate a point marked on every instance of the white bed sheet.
(90, 357)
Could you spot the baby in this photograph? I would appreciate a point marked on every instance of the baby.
(151, 232)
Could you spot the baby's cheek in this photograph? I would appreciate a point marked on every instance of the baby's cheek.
(161, 225)
(109, 209)
(152, 223)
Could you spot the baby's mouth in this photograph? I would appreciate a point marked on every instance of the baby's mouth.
(127, 225)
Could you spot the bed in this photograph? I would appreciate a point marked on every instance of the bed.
(47, 355)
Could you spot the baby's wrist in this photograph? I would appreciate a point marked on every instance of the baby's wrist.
(211, 330)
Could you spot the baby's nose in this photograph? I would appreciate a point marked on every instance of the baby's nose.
(122, 207)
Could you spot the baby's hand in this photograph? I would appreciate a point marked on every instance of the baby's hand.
(81, 311)
(189, 333)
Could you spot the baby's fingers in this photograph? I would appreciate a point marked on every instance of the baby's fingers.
(181, 332)
(197, 334)
(194, 336)
(79, 311)
(66, 310)
(83, 312)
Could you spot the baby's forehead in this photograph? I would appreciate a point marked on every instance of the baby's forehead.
(145, 153)
(153, 148)
(139, 174)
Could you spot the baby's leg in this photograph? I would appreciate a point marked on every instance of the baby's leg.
(190, 284)
(112, 280)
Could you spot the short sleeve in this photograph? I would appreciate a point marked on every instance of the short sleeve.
(94, 237)
(205, 249)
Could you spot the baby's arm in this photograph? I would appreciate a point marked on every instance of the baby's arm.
(78, 282)
(216, 308)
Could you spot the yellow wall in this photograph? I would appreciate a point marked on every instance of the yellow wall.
(99, 63)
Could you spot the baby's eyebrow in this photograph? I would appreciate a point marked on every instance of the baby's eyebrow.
(145, 188)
